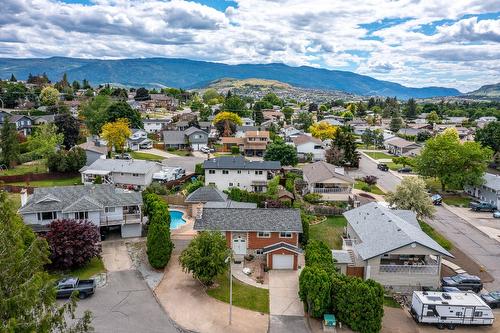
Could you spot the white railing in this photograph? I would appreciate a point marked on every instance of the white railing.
(410, 269)
(126, 218)
(348, 243)
(332, 190)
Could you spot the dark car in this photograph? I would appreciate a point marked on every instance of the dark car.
(492, 299)
(65, 287)
(383, 167)
(405, 170)
(482, 206)
(437, 200)
(450, 290)
(463, 282)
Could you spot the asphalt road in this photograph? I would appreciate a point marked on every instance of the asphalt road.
(475, 244)
(287, 324)
(126, 305)
(188, 163)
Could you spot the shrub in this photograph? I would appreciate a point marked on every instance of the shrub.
(72, 243)
(319, 254)
(67, 160)
(159, 244)
(304, 236)
(314, 290)
(193, 186)
(366, 188)
(156, 188)
(237, 194)
(370, 180)
(171, 149)
(235, 150)
(198, 169)
(312, 197)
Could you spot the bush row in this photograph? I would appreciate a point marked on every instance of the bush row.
(67, 161)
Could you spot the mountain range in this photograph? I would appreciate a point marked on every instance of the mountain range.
(486, 91)
(190, 74)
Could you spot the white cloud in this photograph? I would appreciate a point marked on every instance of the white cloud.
(464, 54)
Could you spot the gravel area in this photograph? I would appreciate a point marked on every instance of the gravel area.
(137, 252)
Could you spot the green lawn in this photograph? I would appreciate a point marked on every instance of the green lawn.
(244, 295)
(16, 199)
(457, 201)
(146, 156)
(95, 266)
(440, 239)
(390, 302)
(329, 231)
(434, 185)
(373, 189)
(24, 169)
(179, 152)
(378, 155)
(393, 166)
(52, 182)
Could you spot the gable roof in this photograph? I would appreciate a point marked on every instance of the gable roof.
(301, 139)
(174, 137)
(206, 194)
(192, 130)
(126, 166)
(381, 230)
(79, 198)
(492, 181)
(321, 171)
(250, 219)
(281, 245)
(240, 163)
(400, 142)
(91, 146)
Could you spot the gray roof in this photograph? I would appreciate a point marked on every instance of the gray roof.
(240, 163)
(381, 230)
(79, 198)
(192, 130)
(126, 166)
(156, 120)
(342, 256)
(492, 181)
(174, 137)
(230, 204)
(249, 219)
(400, 142)
(206, 194)
(320, 171)
(91, 146)
(281, 245)
(205, 124)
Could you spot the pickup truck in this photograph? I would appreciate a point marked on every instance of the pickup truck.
(482, 206)
(67, 286)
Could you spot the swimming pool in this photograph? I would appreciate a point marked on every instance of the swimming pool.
(176, 219)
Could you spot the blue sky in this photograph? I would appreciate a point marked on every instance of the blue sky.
(416, 43)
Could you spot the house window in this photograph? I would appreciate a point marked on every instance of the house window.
(258, 172)
(81, 215)
(212, 172)
(135, 174)
(285, 234)
(263, 234)
(47, 216)
(225, 172)
(230, 184)
(239, 171)
(259, 251)
(109, 209)
(211, 184)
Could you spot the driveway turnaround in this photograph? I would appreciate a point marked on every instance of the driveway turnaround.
(187, 303)
(286, 309)
(126, 305)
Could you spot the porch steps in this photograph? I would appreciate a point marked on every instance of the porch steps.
(351, 255)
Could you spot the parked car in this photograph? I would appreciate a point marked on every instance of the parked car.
(405, 170)
(496, 214)
(67, 286)
(383, 167)
(124, 156)
(207, 150)
(492, 299)
(437, 200)
(463, 282)
(450, 290)
(482, 206)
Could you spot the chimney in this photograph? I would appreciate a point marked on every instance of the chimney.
(24, 197)
(199, 210)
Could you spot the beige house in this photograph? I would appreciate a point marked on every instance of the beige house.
(388, 246)
(399, 146)
(328, 180)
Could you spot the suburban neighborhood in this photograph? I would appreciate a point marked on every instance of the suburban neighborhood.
(254, 192)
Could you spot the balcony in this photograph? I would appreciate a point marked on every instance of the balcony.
(345, 190)
(409, 269)
(348, 243)
(127, 219)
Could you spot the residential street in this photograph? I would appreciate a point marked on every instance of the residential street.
(475, 244)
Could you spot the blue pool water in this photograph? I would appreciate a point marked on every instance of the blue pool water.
(176, 219)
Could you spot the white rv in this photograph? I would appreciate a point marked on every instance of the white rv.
(450, 309)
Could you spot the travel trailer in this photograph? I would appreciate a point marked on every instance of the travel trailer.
(450, 309)
(169, 173)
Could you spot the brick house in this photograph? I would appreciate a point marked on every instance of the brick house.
(271, 234)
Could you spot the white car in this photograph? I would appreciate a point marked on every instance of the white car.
(496, 214)
(207, 150)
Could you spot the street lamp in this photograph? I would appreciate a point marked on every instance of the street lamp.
(228, 260)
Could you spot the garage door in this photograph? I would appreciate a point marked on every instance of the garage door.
(282, 261)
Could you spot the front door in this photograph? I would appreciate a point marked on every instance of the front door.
(240, 245)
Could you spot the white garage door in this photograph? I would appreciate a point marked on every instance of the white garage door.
(282, 261)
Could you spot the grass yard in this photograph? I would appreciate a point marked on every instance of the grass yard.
(393, 166)
(457, 201)
(329, 231)
(16, 199)
(23, 169)
(440, 239)
(390, 302)
(179, 152)
(52, 182)
(146, 156)
(378, 155)
(373, 189)
(434, 185)
(244, 295)
(95, 266)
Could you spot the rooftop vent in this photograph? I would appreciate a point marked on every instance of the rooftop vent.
(446, 296)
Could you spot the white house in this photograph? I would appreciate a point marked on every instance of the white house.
(155, 125)
(309, 146)
(247, 122)
(139, 140)
(489, 191)
(103, 205)
(235, 171)
(137, 174)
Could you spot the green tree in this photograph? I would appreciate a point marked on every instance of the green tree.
(433, 118)
(86, 84)
(280, 151)
(9, 143)
(210, 95)
(259, 117)
(69, 127)
(452, 162)
(489, 136)
(75, 85)
(345, 142)
(205, 257)
(226, 122)
(396, 123)
(273, 99)
(288, 113)
(49, 96)
(122, 109)
(404, 160)
(44, 140)
(12, 93)
(12, 78)
(304, 120)
(159, 245)
(319, 254)
(94, 113)
(411, 194)
(235, 104)
(142, 94)
(27, 292)
(314, 290)
(411, 109)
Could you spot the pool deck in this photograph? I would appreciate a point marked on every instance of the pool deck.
(186, 230)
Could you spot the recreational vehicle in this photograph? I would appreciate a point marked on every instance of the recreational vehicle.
(450, 309)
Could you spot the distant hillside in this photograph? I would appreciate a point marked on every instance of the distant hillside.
(252, 82)
(489, 91)
(187, 74)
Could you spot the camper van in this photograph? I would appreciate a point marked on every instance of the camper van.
(450, 309)
(169, 173)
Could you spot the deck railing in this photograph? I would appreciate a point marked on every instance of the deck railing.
(409, 269)
(332, 190)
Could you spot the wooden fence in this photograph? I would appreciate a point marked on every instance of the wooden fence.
(326, 210)
(180, 181)
(174, 199)
(29, 177)
(16, 188)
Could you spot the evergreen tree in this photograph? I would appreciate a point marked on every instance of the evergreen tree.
(259, 117)
(69, 127)
(346, 143)
(396, 123)
(75, 85)
(411, 109)
(12, 78)
(85, 84)
(9, 143)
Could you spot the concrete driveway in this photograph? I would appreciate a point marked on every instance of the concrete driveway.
(286, 309)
